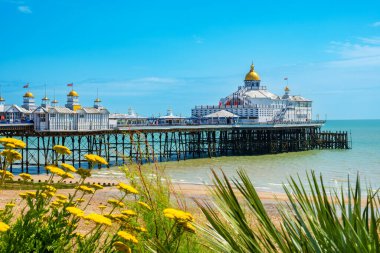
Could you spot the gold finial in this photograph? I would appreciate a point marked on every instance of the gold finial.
(252, 75)
(287, 88)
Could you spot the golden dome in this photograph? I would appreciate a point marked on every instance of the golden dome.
(45, 98)
(287, 88)
(252, 75)
(28, 95)
(97, 100)
(73, 93)
(2, 99)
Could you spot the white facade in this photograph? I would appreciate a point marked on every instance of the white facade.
(72, 117)
(254, 103)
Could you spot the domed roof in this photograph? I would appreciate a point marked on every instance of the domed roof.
(73, 93)
(252, 75)
(28, 95)
(45, 98)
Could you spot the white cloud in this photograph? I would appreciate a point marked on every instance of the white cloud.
(24, 9)
(376, 24)
(375, 40)
(363, 53)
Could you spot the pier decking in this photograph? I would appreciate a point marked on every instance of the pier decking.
(165, 142)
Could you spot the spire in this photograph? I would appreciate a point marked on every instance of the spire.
(54, 102)
(2, 100)
(97, 101)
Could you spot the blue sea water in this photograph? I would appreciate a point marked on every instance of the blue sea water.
(269, 172)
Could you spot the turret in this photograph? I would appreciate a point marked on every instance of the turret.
(45, 102)
(252, 79)
(28, 101)
(73, 100)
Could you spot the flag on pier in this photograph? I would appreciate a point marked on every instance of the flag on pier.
(70, 85)
(26, 86)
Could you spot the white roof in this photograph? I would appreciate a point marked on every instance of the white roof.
(126, 116)
(222, 114)
(91, 110)
(60, 109)
(17, 108)
(299, 99)
(260, 94)
(40, 109)
(171, 117)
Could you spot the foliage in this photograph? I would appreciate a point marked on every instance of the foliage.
(313, 220)
(164, 234)
(52, 222)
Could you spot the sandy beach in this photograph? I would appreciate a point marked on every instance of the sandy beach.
(189, 192)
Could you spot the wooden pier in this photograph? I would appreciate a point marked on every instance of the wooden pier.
(164, 143)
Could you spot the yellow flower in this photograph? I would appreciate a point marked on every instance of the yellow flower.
(178, 215)
(102, 207)
(141, 229)
(50, 194)
(188, 227)
(63, 150)
(97, 186)
(80, 200)
(145, 205)
(68, 167)
(44, 195)
(55, 170)
(92, 158)
(56, 204)
(11, 155)
(61, 196)
(127, 236)
(127, 188)
(117, 217)
(121, 247)
(23, 195)
(75, 211)
(10, 205)
(25, 176)
(115, 202)
(78, 235)
(3, 227)
(85, 189)
(68, 175)
(62, 201)
(9, 146)
(31, 194)
(129, 212)
(99, 219)
(7, 175)
(15, 142)
(50, 188)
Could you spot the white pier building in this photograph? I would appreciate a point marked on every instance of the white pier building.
(254, 103)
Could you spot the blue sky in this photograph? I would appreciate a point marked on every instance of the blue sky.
(151, 55)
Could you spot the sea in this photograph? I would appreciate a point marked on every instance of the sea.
(270, 173)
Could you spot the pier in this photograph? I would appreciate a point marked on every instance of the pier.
(169, 142)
